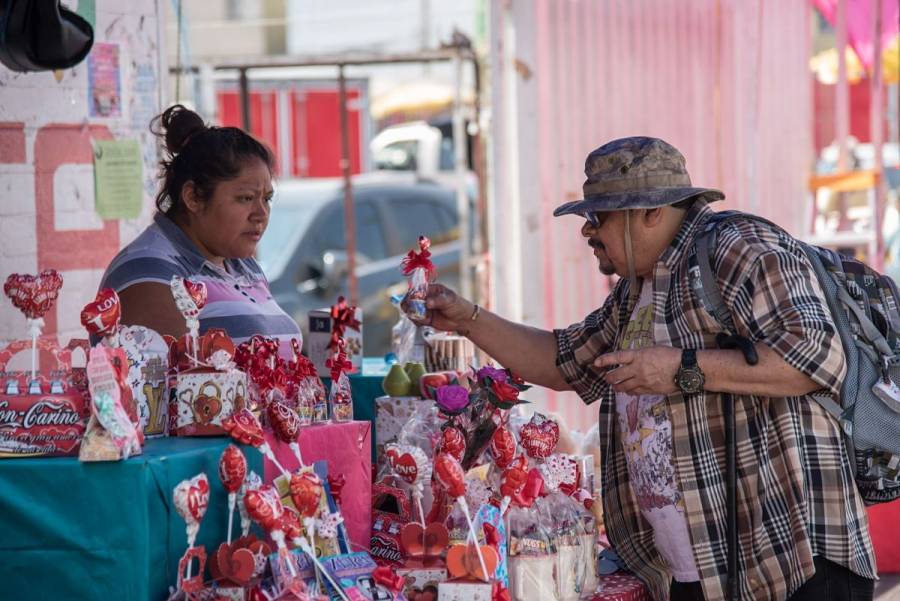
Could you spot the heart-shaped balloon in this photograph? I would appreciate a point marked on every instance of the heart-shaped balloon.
(463, 561)
(264, 506)
(101, 316)
(410, 463)
(244, 427)
(503, 447)
(453, 442)
(450, 474)
(539, 436)
(190, 297)
(192, 498)
(284, 421)
(424, 542)
(306, 493)
(232, 468)
(197, 292)
(33, 295)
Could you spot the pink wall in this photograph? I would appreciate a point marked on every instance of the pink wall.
(726, 82)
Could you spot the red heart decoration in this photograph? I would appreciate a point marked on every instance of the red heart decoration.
(244, 428)
(197, 290)
(503, 447)
(453, 442)
(539, 436)
(284, 421)
(264, 505)
(424, 542)
(463, 561)
(33, 295)
(405, 466)
(198, 499)
(206, 408)
(290, 524)
(450, 474)
(101, 316)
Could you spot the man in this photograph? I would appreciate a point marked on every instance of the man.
(649, 354)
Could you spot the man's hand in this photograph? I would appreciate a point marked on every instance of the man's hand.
(646, 371)
(446, 310)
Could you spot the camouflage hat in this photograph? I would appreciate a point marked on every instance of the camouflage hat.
(634, 173)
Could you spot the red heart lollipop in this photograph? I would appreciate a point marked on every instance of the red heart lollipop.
(244, 428)
(409, 462)
(539, 436)
(284, 421)
(33, 295)
(192, 498)
(290, 524)
(450, 474)
(503, 447)
(453, 442)
(101, 316)
(197, 292)
(232, 468)
(306, 492)
(264, 506)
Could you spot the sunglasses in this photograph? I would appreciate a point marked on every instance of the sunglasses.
(595, 218)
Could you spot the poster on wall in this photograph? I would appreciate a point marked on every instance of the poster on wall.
(104, 81)
(118, 172)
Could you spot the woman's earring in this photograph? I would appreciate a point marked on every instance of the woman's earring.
(165, 204)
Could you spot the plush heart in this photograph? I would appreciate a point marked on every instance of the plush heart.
(539, 436)
(101, 316)
(197, 292)
(463, 562)
(33, 295)
(424, 542)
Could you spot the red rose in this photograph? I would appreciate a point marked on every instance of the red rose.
(505, 392)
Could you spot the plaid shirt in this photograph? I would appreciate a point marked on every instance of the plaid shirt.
(796, 494)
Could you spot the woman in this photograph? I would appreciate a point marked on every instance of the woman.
(213, 208)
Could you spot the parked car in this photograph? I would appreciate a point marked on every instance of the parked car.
(303, 251)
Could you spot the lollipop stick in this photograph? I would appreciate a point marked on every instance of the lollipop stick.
(295, 447)
(504, 504)
(418, 495)
(465, 508)
(278, 537)
(232, 498)
(305, 547)
(267, 451)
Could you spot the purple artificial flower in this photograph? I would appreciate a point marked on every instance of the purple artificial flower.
(452, 399)
(496, 375)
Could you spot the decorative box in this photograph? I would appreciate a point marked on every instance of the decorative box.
(422, 580)
(620, 587)
(465, 590)
(390, 512)
(320, 326)
(204, 388)
(148, 364)
(45, 416)
(354, 573)
(391, 413)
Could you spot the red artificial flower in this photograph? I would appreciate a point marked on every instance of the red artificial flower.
(505, 393)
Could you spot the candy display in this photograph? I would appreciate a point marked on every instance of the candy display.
(327, 326)
(341, 397)
(111, 433)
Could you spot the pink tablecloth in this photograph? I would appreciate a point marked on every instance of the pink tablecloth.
(883, 520)
(621, 587)
(347, 448)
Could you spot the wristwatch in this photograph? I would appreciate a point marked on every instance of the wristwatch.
(690, 378)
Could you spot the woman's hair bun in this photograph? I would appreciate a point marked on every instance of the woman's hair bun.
(176, 125)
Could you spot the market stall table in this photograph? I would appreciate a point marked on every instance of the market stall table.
(75, 530)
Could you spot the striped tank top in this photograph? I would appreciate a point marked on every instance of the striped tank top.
(238, 298)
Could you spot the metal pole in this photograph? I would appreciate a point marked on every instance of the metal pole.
(877, 134)
(842, 92)
(349, 216)
(245, 99)
(462, 194)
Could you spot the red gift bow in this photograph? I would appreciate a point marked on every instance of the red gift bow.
(419, 259)
(181, 349)
(343, 316)
(500, 593)
(339, 364)
(336, 484)
(386, 577)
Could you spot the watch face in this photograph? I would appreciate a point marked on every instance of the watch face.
(690, 380)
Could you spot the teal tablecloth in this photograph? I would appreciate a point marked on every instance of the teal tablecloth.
(72, 530)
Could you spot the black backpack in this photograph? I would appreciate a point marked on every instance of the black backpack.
(42, 35)
(864, 306)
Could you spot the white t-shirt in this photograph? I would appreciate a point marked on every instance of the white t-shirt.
(646, 433)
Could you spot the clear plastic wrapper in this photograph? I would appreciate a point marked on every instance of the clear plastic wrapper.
(532, 556)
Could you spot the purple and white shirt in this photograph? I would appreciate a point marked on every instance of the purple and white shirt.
(238, 297)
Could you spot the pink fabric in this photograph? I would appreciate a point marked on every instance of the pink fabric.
(347, 448)
(861, 24)
(883, 520)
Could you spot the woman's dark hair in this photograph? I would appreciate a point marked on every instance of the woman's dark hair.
(200, 154)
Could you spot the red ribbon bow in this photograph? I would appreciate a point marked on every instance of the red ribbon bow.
(343, 316)
(386, 577)
(500, 593)
(336, 484)
(419, 259)
(338, 363)
(181, 349)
